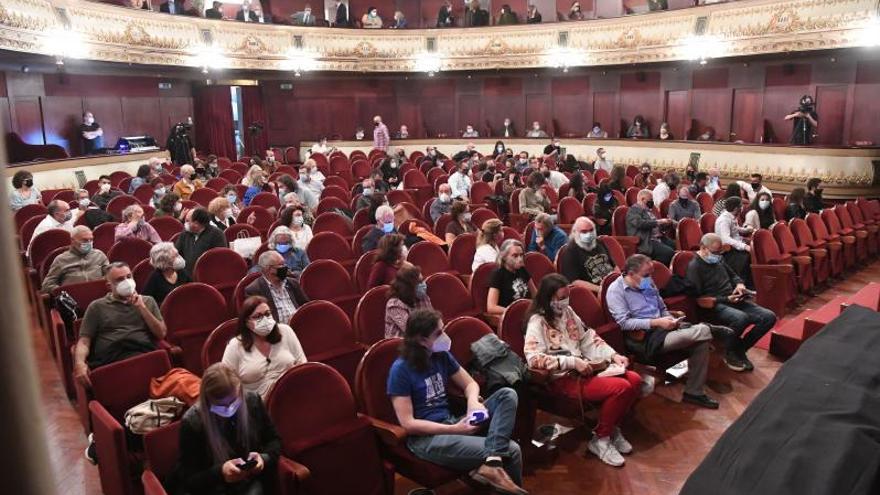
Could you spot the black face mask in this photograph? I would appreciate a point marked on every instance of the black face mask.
(650, 204)
(375, 124)
(818, 191)
(646, 174)
(756, 186)
(29, 182)
(281, 272)
(683, 201)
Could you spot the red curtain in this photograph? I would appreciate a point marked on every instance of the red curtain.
(253, 113)
(215, 133)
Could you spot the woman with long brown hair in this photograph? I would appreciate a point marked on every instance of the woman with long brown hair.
(408, 293)
(227, 440)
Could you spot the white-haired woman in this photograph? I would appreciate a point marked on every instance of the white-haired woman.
(281, 241)
(134, 225)
(227, 440)
(384, 226)
(169, 272)
(187, 183)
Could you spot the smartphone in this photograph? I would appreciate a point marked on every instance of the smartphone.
(680, 319)
(247, 465)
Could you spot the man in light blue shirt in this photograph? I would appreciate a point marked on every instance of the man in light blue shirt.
(650, 330)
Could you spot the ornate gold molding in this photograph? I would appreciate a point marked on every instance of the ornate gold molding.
(749, 27)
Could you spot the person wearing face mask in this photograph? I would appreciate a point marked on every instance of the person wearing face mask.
(469, 151)
(297, 218)
(366, 191)
(408, 293)
(586, 260)
(221, 213)
(479, 442)
(278, 286)
(391, 256)
(489, 238)
(188, 182)
(547, 238)
(259, 183)
(760, 214)
(664, 134)
(499, 150)
(732, 191)
(638, 129)
(731, 233)
(58, 216)
(81, 263)
(226, 427)
(263, 350)
(805, 120)
(641, 222)
(24, 193)
(510, 281)
(714, 278)
(558, 341)
(295, 258)
(197, 237)
(699, 184)
(536, 131)
(713, 183)
(795, 207)
(603, 209)
(664, 187)
(231, 194)
(597, 132)
(134, 225)
(683, 207)
(470, 132)
(460, 222)
(576, 14)
(555, 178)
(105, 192)
(754, 186)
(390, 169)
(169, 206)
(384, 226)
(91, 134)
(813, 200)
(381, 138)
(168, 273)
(159, 191)
(371, 19)
(460, 182)
(602, 162)
(650, 330)
(507, 129)
(645, 179)
(304, 196)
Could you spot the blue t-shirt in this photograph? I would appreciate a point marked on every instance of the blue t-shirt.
(426, 389)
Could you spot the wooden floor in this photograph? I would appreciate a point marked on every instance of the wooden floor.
(669, 438)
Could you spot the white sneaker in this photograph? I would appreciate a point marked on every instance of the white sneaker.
(620, 443)
(604, 449)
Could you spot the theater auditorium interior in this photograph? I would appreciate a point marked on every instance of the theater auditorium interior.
(416, 247)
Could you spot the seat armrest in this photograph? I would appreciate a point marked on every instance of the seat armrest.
(152, 485)
(291, 476)
(802, 260)
(848, 239)
(707, 302)
(175, 352)
(288, 465)
(818, 253)
(773, 269)
(391, 435)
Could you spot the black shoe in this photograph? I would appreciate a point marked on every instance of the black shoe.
(700, 400)
(720, 331)
(734, 362)
(421, 491)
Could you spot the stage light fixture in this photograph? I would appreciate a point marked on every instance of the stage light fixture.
(701, 48)
(64, 43)
(208, 57)
(298, 61)
(429, 62)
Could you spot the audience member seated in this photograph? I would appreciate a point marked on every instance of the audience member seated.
(215, 12)
(197, 237)
(173, 7)
(555, 178)
(558, 341)
(295, 219)
(134, 225)
(371, 19)
(304, 195)
(366, 191)
(221, 213)
(408, 293)
(754, 186)
(254, 172)
(188, 182)
(443, 203)
(547, 237)
(390, 257)
(532, 15)
(713, 278)
(445, 17)
(664, 134)
(246, 13)
(460, 182)
(390, 169)
(684, 207)
(714, 182)
(460, 222)
(263, 350)
(281, 290)
(507, 17)
(510, 281)
(690, 173)
(304, 17)
(226, 428)
(417, 386)
(664, 187)
(311, 179)
(144, 174)
(645, 179)
(532, 201)
(489, 239)
(83, 202)
(701, 180)
(104, 194)
(24, 192)
(641, 222)
(119, 325)
(813, 199)
(81, 263)
(760, 214)
(536, 131)
(476, 15)
(281, 240)
(169, 206)
(728, 229)
(603, 209)
(470, 132)
(575, 14)
(638, 129)
(616, 179)
(159, 191)
(58, 216)
(229, 192)
(603, 162)
(169, 272)
(577, 188)
(585, 261)
(650, 330)
(383, 227)
(259, 182)
(733, 191)
(795, 207)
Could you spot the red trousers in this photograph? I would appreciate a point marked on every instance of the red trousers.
(616, 393)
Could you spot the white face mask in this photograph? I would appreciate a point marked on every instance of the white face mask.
(105, 187)
(764, 204)
(442, 344)
(125, 288)
(179, 263)
(264, 326)
(444, 198)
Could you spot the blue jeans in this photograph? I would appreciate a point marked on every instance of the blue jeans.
(740, 315)
(466, 452)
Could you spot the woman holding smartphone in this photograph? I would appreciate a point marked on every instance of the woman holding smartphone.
(227, 441)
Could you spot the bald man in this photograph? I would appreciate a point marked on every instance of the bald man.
(81, 263)
(585, 261)
(380, 134)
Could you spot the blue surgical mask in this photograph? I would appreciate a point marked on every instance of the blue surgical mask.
(282, 248)
(645, 283)
(442, 344)
(608, 197)
(85, 247)
(421, 290)
(232, 198)
(388, 227)
(713, 259)
(368, 191)
(227, 411)
(588, 239)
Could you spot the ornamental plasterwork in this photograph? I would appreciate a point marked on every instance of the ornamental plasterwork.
(747, 27)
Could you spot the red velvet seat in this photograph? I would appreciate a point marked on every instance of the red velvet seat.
(706, 202)
(440, 225)
(807, 265)
(334, 222)
(680, 262)
(141, 273)
(797, 239)
(191, 312)
(479, 286)
(865, 242)
(130, 250)
(569, 210)
(463, 332)
(331, 191)
(449, 296)
(119, 203)
(480, 215)
(233, 176)
(707, 222)
(240, 230)
(772, 273)
(331, 246)
(166, 226)
(203, 196)
(429, 257)
(681, 302)
(116, 387)
(161, 448)
(836, 232)
(318, 439)
(217, 184)
(632, 194)
(326, 336)
(479, 192)
(516, 218)
(868, 224)
(461, 253)
(330, 204)
(221, 268)
(45, 243)
(215, 344)
(586, 305)
(618, 229)
(330, 281)
(688, 234)
(104, 236)
(396, 196)
(538, 266)
(267, 200)
(117, 177)
(416, 184)
(369, 316)
(28, 212)
(370, 387)
(817, 236)
(238, 295)
(27, 231)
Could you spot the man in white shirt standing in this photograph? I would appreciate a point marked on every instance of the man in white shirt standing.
(602, 162)
(460, 182)
(59, 217)
(664, 188)
(754, 187)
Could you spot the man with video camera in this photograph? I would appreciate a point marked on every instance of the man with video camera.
(805, 120)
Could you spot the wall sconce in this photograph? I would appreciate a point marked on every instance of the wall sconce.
(428, 62)
(208, 57)
(702, 48)
(563, 58)
(298, 61)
